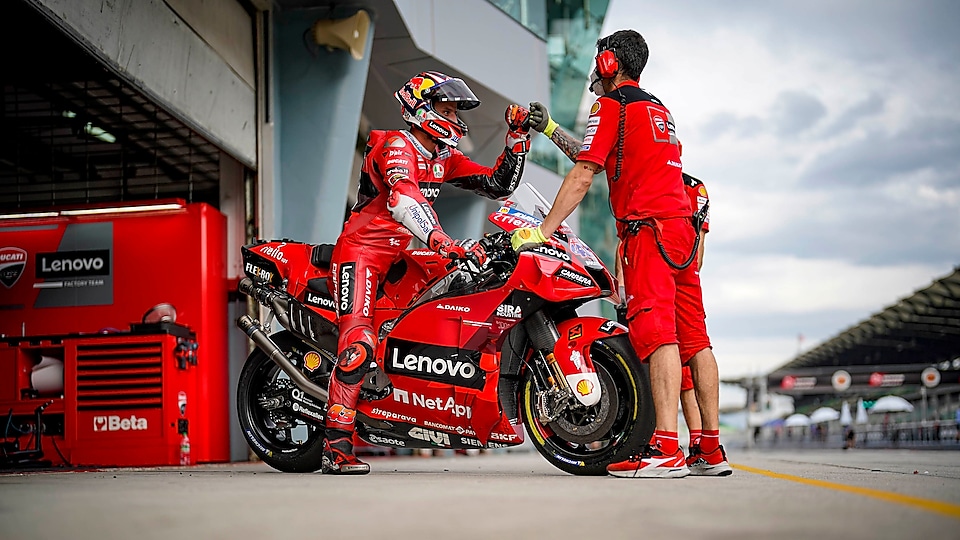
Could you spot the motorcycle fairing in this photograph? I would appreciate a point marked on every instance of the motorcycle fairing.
(572, 353)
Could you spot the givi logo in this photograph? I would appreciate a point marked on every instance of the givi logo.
(115, 423)
(12, 262)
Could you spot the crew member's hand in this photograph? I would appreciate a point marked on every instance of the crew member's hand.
(518, 129)
(527, 238)
(540, 119)
(457, 249)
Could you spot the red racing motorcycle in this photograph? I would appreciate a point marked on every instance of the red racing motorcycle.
(464, 356)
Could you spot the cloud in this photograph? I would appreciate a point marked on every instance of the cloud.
(795, 112)
(828, 135)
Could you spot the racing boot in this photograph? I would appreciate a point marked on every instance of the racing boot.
(344, 392)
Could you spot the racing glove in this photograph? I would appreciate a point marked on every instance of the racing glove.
(447, 247)
(518, 129)
(527, 238)
(540, 119)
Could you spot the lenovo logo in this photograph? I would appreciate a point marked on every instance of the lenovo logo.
(116, 423)
(67, 264)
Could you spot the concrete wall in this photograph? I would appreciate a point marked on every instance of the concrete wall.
(152, 46)
(482, 42)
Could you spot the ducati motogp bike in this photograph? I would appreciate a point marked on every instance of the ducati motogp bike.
(465, 355)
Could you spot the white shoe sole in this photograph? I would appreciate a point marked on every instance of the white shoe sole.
(652, 472)
(722, 469)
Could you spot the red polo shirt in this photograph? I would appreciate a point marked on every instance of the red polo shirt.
(650, 183)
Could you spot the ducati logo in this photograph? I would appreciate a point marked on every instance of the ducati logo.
(12, 262)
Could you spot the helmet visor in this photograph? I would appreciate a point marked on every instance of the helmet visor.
(453, 90)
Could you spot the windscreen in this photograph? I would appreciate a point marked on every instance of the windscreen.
(527, 208)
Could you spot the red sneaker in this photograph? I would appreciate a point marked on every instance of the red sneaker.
(651, 463)
(712, 464)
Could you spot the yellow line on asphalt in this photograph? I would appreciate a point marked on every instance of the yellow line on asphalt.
(948, 509)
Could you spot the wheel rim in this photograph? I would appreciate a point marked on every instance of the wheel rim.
(278, 430)
(621, 417)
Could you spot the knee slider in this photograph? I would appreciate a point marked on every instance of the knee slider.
(353, 362)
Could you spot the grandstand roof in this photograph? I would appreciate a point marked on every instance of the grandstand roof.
(920, 330)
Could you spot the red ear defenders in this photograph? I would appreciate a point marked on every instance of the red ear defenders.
(607, 65)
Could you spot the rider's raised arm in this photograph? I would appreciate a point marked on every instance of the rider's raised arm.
(500, 180)
(492, 182)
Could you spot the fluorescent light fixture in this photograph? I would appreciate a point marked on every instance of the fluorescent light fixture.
(99, 133)
(121, 209)
(29, 215)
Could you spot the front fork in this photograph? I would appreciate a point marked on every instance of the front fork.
(553, 391)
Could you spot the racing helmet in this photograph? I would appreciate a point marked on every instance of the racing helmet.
(418, 95)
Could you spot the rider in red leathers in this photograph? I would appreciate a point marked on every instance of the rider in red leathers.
(400, 178)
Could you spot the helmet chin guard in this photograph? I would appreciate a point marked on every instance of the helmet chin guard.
(418, 95)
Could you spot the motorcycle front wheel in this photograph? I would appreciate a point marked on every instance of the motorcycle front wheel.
(281, 439)
(584, 440)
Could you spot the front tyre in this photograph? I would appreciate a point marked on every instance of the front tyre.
(280, 438)
(584, 440)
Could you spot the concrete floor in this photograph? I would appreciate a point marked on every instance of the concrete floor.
(867, 494)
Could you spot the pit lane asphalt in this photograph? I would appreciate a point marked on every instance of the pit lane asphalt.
(821, 494)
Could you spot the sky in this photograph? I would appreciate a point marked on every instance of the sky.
(828, 136)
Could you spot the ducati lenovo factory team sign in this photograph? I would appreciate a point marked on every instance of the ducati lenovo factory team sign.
(78, 273)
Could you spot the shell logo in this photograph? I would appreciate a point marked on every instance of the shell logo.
(703, 191)
(596, 108)
(584, 387)
(311, 360)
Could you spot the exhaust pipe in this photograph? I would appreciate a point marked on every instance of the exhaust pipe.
(252, 328)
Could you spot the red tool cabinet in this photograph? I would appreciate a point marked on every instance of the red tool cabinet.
(125, 400)
(71, 283)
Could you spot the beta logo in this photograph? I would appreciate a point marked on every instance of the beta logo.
(116, 423)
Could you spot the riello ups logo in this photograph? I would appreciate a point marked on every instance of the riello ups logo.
(12, 262)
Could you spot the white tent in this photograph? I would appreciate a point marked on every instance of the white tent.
(845, 417)
(797, 420)
(862, 413)
(824, 414)
(891, 404)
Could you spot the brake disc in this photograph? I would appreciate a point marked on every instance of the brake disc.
(583, 425)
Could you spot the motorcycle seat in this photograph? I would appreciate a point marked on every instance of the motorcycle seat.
(321, 256)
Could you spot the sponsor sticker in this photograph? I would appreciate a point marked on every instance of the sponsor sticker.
(595, 108)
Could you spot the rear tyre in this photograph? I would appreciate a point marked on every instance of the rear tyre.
(282, 440)
(583, 441)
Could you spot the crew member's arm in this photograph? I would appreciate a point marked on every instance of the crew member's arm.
(573, 189)
(703, 239)
(540, 121)
(500, 180)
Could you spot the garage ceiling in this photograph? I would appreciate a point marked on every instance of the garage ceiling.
(73, 132)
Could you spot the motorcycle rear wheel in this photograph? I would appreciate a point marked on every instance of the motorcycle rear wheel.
(284, 442)
(629, 413)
